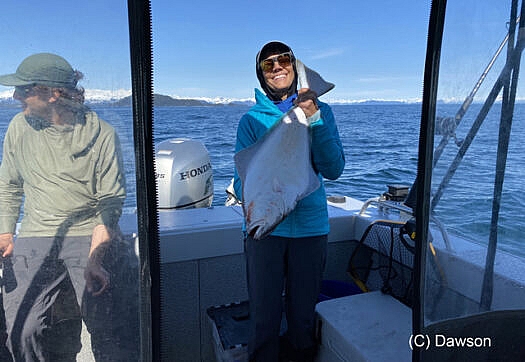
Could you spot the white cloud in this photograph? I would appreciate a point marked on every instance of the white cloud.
(328, 53)
(384, 79)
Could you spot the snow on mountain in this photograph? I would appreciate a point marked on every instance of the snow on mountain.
(92, 95)
(103, 95)
(371, 101)
(4, 95)
(110, 96)
(218, 100)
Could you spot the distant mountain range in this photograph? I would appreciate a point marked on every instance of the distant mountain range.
(159, 100)
(122, 98)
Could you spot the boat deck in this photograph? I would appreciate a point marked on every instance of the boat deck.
(202, 265)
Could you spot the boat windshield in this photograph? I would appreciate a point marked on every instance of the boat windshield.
(475, 269)
(71, 284)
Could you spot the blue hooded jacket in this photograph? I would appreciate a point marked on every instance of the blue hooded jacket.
(310, 216)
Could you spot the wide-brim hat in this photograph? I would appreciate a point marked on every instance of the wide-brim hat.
(44, 69)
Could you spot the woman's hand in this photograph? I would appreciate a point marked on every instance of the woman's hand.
(307, 101)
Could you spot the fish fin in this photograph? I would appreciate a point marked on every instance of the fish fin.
(259, 232)
(309, 78)
(242, 159)
(313, 184)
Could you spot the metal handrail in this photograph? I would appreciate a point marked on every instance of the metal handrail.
(382, 202)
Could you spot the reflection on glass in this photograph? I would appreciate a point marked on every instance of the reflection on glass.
(66, 164)
(70, 288)
(477, 165)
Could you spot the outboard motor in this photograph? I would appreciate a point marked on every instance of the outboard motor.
(184, 174)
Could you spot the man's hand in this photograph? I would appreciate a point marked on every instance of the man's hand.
(97, 277)
(6, 244)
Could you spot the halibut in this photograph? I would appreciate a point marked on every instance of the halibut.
(276, 172)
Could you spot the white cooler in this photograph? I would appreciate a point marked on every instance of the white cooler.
(364, 327)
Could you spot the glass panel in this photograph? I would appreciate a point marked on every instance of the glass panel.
(204, 55)
(476, 262)
(190, 73)
(70, 285)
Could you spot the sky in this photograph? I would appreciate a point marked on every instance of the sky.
(369, 49)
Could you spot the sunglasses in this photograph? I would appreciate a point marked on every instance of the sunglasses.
(284, 59)
(26, 91)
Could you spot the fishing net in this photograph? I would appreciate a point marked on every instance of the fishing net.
(383, 260)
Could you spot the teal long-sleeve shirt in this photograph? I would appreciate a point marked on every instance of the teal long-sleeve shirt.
(310, 216)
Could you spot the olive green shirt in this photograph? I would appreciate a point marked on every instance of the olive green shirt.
(69, 178)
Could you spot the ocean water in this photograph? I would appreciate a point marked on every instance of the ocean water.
(381, 148)
(375, 155)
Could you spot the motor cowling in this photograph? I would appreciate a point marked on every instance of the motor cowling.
(184, 174)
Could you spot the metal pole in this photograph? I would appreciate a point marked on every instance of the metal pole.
(507, 111)
(139, 16)
(468, 101)
(498, 85)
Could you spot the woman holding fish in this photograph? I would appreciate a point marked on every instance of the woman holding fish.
(286, 143)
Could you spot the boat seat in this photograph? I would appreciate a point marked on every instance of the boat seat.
(364, 327)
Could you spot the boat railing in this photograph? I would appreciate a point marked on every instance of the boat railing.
(406, 213)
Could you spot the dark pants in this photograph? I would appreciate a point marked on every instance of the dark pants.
(45, 302)
(297, 264)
